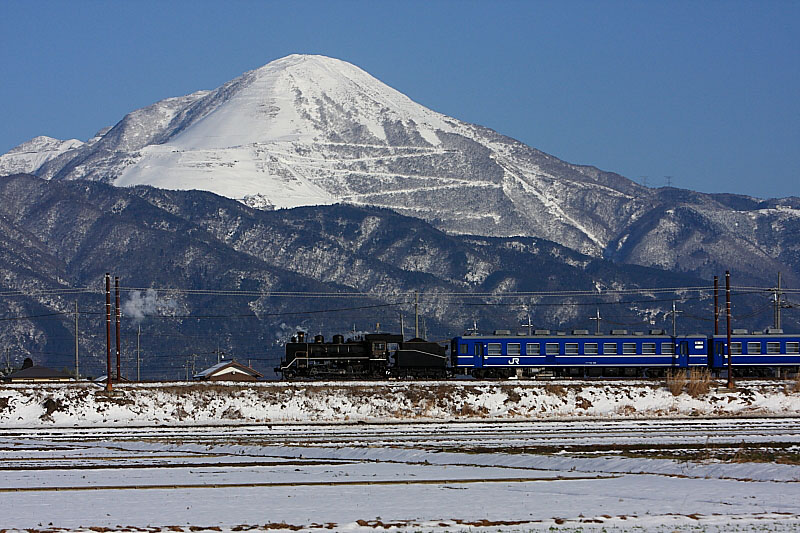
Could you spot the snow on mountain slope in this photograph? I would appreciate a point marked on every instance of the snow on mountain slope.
(29, 156)
(312, 130)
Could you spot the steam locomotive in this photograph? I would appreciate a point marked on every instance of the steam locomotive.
(373, 356)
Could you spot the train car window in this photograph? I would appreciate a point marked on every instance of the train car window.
(513, 348)
(552, 348)
(720, 348)
(629, 348)
(753, 348)
(648, 348)
(736, 348)
(773, 347)
(590, 348)
(667, 348)
(793, 347)
(379, 346)
(610, 348)
(571, 348)
(463, 349)
(532, 348)
(494, 349)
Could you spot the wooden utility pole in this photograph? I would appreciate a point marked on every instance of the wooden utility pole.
(108, 332)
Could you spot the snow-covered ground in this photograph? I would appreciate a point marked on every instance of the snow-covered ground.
(442, 477)
(435, 456)
(277, 402)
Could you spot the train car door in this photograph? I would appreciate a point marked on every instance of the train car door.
(479, 355)
(718, 356)
(682, 357)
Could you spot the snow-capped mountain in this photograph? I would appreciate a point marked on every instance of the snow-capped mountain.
(29, 156)
(312, 130)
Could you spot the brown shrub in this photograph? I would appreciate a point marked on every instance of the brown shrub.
(675, 381)
(699, 382)
(556, 390)
(512, 396)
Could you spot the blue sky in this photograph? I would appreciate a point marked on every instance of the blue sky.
(705, 92)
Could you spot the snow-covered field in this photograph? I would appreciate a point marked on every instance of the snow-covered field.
(276, 402)
(440, 457)
(518, 476)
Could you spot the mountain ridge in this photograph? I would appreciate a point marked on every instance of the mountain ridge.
(311, 130)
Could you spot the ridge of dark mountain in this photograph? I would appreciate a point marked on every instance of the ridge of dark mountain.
(68, 234)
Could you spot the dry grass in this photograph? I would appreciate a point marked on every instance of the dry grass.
(676, 381)
(556, 390)
(699, 382)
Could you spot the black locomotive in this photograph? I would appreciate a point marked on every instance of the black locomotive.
(372, 356)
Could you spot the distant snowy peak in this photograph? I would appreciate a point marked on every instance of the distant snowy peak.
(302, 99)
(29, 156)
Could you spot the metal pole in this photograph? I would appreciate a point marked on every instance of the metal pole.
(716, 305)
(138, 354)
(108, 332)
(416, 314)
(673, 318)
(778, 306)
(402, 327)
(77, 373)
(728, 312)
(116, 312)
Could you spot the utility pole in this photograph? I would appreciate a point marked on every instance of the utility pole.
(416, 314)
(108, 332)
(777, 302)
(728, 312)
(402, 327)
(138, 354)
(674, 316)
(668, 179)
(529, 325)
(597, 319)
(716, 305)
(77, 374)
(116, 312)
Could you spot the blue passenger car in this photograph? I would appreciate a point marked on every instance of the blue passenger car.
(756, 353)
(503, 354)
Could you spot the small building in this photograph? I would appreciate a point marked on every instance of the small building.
(228, 371)
(31, 373)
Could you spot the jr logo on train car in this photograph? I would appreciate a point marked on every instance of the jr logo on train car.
(513, 361)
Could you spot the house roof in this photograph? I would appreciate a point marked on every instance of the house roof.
(210, 371)
(38, 372)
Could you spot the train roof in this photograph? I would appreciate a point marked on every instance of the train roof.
(620, 334)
